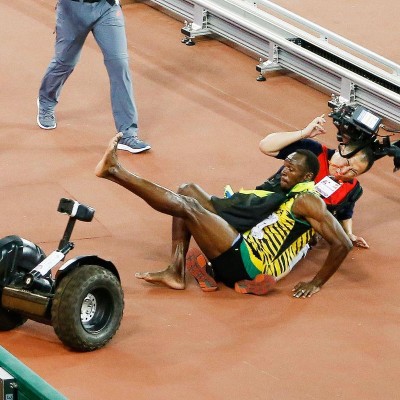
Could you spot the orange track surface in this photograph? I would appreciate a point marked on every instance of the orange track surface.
(204, 113)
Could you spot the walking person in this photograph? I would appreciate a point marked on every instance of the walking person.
(75, 19)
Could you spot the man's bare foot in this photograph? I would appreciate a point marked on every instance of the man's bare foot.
(169, 277)
(110, 160)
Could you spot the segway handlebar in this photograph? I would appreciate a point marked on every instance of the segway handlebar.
(76, 210)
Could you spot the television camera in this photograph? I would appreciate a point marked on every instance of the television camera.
(359, 126)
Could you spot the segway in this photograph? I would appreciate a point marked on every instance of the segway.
(83, 301)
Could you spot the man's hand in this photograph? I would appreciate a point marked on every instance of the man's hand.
(358, 241)
(314, 128)
(276, 141)
(305, 289)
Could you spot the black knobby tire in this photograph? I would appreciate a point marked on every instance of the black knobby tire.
(87, 308)
(10, 320)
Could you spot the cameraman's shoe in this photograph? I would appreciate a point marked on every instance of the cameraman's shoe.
(132, 144)
(46, 118)
(260, 285)
(196, 265)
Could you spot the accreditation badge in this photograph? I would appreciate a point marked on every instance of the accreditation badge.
(327, 186)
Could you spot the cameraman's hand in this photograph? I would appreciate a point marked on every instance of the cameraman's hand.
(314, 128)
(358, 241)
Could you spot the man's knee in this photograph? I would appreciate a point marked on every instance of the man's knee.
(188, 189)
(61, 66)
(191, 207)
(195, 192)
(117, 63)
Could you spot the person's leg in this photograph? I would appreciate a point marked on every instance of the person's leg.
(199, 267)
(71, 31)
(190, 190)
(174, 274)
(109, 32)
(196, 262)
(231, 271)
(196, 192)
(260, 285)
(212, 234)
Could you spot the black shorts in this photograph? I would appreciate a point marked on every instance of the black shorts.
(228, 267)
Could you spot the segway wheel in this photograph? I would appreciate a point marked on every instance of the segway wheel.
(10, 320)
(87, 308)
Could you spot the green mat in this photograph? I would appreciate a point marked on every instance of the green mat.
(30, 385)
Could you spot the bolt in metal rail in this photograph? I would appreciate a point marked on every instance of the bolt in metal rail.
(349, 71)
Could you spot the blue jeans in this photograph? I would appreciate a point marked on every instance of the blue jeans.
(74, 21)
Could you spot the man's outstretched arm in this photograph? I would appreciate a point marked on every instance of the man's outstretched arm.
(274, 142)
(313, 209)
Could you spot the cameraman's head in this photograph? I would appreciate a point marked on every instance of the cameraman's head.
(346, 169)
(348, 134)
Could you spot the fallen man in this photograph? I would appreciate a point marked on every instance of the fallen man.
(252, 261)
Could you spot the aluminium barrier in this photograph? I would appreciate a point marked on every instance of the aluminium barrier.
(287, 41)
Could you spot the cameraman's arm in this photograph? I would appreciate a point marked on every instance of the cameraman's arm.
(274, 142)
(344, 214)
(358, 241)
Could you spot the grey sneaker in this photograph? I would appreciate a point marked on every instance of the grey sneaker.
(132, 144)
(45, 117)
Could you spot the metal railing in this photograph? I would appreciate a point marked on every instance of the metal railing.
(288, 41)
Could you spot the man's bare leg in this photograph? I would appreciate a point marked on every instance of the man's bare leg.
(212, 233)
(174, 275)
(109, 163)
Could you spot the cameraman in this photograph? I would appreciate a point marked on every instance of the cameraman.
(340, 187)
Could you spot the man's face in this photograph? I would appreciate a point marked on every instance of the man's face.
(293, 171)
(346, 169)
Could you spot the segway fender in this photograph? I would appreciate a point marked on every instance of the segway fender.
(79, 261)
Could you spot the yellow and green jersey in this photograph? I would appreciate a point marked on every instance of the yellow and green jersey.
(271, 247)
